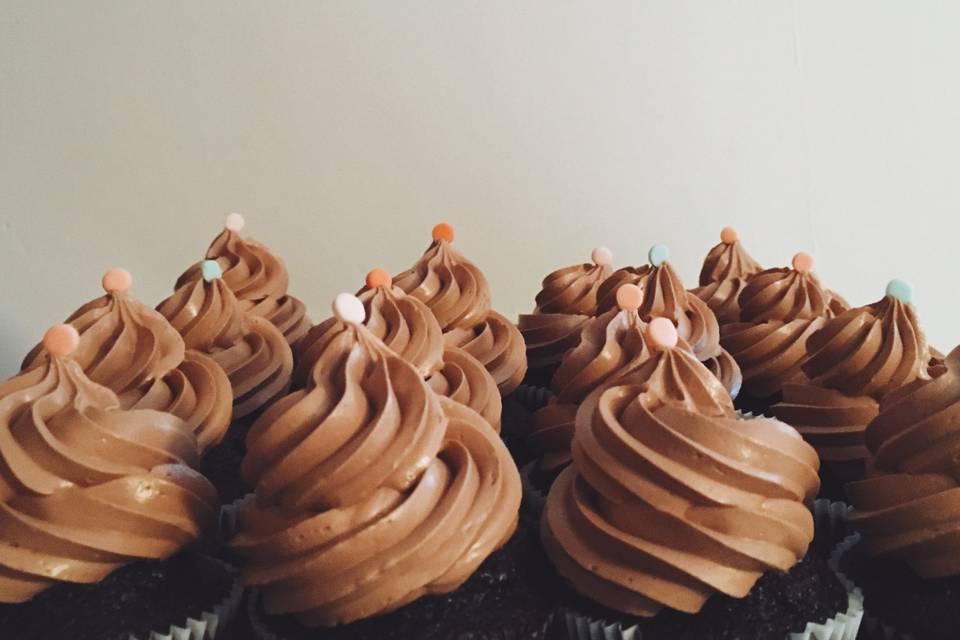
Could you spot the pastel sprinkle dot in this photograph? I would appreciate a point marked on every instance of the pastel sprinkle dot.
(211, 270)
(629, 296)
(61, 339)
(443, 231)
(658, 254)
(661, 334)
(117, 280)
(348, 308)
(602, 256)
(901, 290)
(234, 222)
(379, 278)
(802, 262)
(729, 235)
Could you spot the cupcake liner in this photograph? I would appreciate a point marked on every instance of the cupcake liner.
(533, 499)
(228, 517)
(210, 624)
(830, 520)
(842, 626)
(533, 397)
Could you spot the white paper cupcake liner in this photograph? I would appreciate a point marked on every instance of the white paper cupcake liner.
(842, 626)
(209, 625)
(228, 517)
(533, 397)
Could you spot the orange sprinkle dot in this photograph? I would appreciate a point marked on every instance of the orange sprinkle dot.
(803, 262)
(116, 279)
(443, 231)
(61, 339)
(379, 278)
(662, 334)
(630, 296)
(729, 235)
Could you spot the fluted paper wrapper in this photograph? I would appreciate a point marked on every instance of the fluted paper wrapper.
(532, 397)
(842, 626)
(210, 624)
(228, 517)
(533, 498)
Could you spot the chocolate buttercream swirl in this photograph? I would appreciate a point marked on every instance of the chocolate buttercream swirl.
(86, 487)
(124, 344)
(250, 269)
(836, 303)
(402, 322)
(832, 422)
(286, 313)
(725, 368)
(572, 290)
(371, 490)
(548, 338)
(907, 508)
(251, 350)
(454, 289)
(497, 344)
(783, 295)
(464, 379)
(664, 296)
(869, 350)
(723, 276)
(667, 504)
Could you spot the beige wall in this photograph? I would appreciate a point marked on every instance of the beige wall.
(344, 130)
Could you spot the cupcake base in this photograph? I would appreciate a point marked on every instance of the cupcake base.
(779, 604)
(135, 601)
(503, 600)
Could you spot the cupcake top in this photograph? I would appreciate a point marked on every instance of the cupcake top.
(454, 289)
(724, 275)
(463, 379)
(906, 507)
(133, 350)
(498, 345)
(251, 350)
(665, 296)
(785, 294)
(573, 290)
(870, 350)
(371, 490)
(87, 486)
(250, 269)
(671, 498)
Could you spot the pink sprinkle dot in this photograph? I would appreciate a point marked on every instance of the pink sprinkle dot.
(601, 256)
(61, 339)
(803, 262)
(234, 222)
(117, 280)
(630, 296)
(662, 334)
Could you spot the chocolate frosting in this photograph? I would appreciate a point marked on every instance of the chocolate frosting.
(133, 350)
(251, 350)
(549, 337)
(86, 487)
(258, 278)
(672, 498)
(454, 289)
(869, 350)
(723, 276)
(783, 295)
(907, 508)
(725, 368)
(371, 490)
(497, 344)
(465, 380)
(402, 322)
(664, 296)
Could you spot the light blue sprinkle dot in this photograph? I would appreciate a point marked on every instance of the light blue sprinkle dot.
(659, 253)
(902, 291)
(211, 270)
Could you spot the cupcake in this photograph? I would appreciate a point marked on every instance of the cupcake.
(257, 277)
(566, 301)
(101, 506)
(906, 509)
(372, 493)
(852, 362)
(679, 520)
(407, 326)
(131, 349)
(250, 349)
(665, 296)
(779, 309)
(724, 275)
(457, 293)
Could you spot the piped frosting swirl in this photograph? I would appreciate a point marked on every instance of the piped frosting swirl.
(498, 345)
(724, 274)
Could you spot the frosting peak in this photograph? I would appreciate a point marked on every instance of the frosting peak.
(783, 294)
(251, 270)
(723, 277)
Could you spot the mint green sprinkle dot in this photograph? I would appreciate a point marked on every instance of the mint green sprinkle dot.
(211, 270)
(659, 253)
(901, 290)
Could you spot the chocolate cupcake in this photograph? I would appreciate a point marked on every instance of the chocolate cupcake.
(852, 362)
(371, 492)
(457, 293)
(906, 509)
(677, 519)
(566, 301)
(101, 505)
(257, 277)
(724, 276)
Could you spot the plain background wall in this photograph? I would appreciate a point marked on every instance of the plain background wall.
(344, 130)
